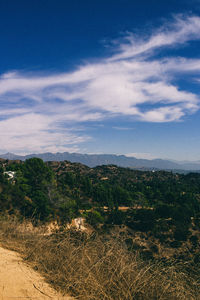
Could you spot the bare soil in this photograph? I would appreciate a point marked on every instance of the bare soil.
(18, 281)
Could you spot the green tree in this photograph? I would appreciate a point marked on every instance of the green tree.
(37, 174)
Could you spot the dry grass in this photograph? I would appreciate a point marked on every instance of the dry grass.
(98, 267)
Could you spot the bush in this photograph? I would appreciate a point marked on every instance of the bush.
(94, 218)
(100, 267)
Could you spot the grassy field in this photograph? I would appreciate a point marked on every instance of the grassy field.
(98, 266)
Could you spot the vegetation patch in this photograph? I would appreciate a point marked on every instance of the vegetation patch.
(100, 266)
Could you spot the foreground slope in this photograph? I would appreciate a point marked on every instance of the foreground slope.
(19, 281)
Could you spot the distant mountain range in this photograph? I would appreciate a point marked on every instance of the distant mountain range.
(93, 160)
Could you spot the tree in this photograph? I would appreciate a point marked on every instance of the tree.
(37, 174)
(41, 205)
(121, 196)
(35, 182)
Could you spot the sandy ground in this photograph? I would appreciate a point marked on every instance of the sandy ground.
(18, 281)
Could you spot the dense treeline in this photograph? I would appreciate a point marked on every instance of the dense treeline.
(163, 203)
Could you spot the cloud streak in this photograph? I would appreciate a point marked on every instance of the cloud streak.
(178, 32)
(133, 82)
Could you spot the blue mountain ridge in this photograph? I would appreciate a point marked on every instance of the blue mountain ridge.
(93, 160)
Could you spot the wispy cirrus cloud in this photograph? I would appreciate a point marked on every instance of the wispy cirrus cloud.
(36, 110)
(172, 34)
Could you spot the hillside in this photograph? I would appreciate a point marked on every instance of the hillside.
(139, 221)
(161, 203)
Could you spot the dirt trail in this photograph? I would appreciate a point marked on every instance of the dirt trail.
(18, 281)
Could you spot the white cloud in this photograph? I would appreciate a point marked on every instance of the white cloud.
(23, 134)
(133, 82)
(163, 114)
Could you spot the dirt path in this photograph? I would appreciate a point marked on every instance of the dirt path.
(18, 281)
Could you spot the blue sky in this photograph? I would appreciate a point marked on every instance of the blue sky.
(115, 76)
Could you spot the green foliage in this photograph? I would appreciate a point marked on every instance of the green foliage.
(67, 211)
(37, 174)
(139, 199)
(163, 210)
(163, 203)
(121, 196)
(41, 205)
(94, 218)
(116, 217)
(142, 220)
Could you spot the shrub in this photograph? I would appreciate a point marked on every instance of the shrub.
(99, 267)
